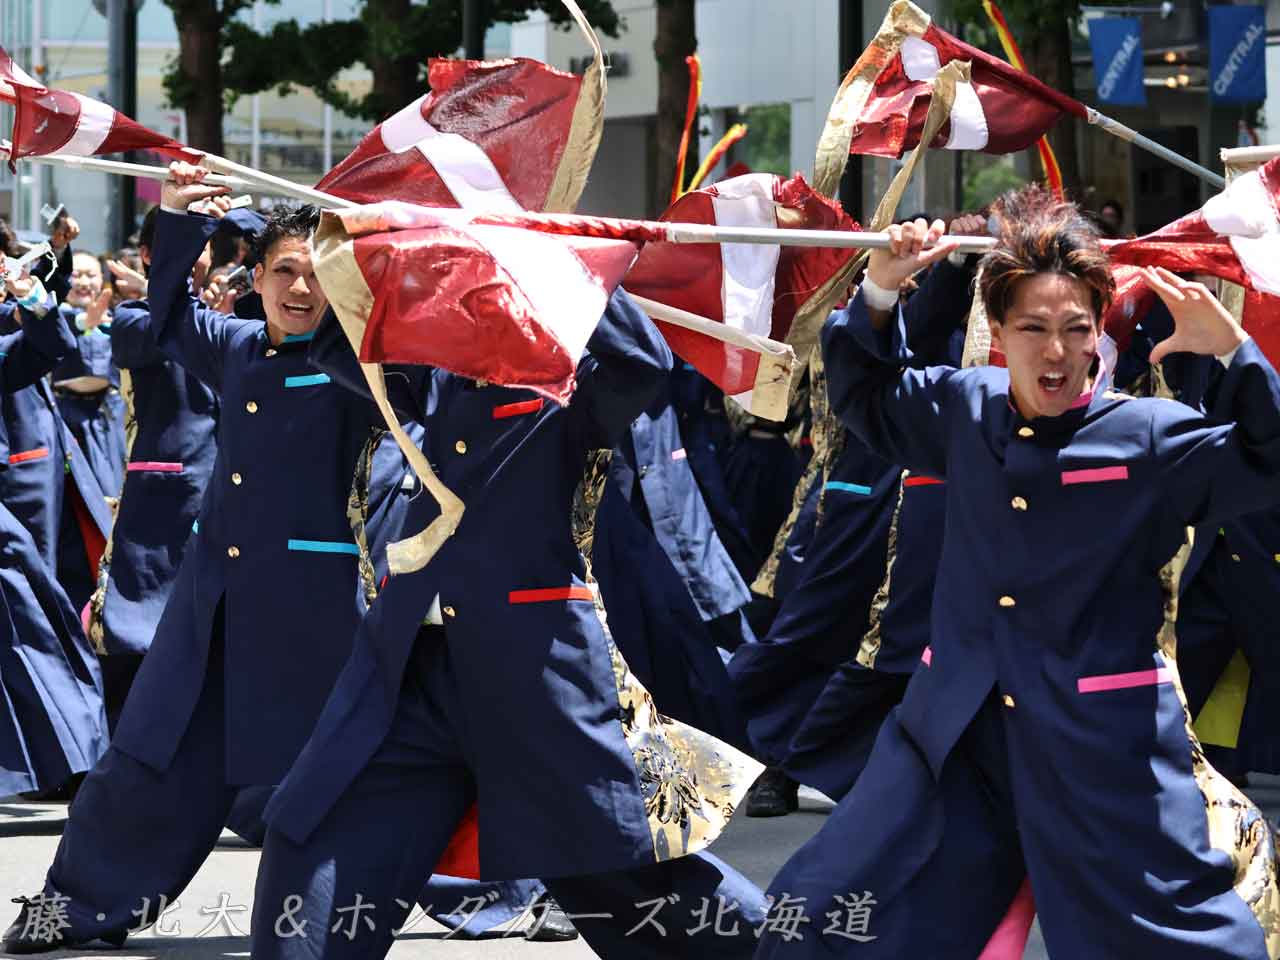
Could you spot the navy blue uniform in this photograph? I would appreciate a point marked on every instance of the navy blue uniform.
(1050, 629)
(86, 384)
(50, 487)
(411, 736)
(170, 464)
(51, 718)
(260, 619)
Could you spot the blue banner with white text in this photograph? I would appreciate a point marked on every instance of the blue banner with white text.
(1237, 53)
(1117, 60)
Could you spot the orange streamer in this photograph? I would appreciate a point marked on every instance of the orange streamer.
(1052, 172)
(690, 115)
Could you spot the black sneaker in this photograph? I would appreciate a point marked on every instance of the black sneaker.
(774, 794)
(550, 923)
(39, 928)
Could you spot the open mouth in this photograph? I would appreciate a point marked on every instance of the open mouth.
(299, 310)
(1053, 382)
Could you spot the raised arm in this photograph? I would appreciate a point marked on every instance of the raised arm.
(184, 329)
(897, 411)
(625, 367)
(43, 341)
(1228, 464)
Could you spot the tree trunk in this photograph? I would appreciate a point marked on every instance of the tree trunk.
(395, 72)
(675, 39)
(1048, 53)
(200, 62)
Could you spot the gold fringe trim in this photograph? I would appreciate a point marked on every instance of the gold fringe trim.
(869, 648)
(1236, 827)
(333, 255)
(586, 128)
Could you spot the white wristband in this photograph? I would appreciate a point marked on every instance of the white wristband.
(877, 297)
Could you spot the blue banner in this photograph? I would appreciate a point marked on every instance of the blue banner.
(1237, 53)
(1117, 60)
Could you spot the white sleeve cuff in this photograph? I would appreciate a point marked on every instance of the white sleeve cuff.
(877, 297)
(166, 209)
(1226, 358)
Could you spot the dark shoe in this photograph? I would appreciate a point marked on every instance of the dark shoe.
(551, 923)
(773, 795)
(39, 929)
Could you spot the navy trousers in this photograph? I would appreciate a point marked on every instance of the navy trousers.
(347, 891)
(135, 834)
(471, 908)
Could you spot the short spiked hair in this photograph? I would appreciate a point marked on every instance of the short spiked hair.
(299, 222)
(1040, 233)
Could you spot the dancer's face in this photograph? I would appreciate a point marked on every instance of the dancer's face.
(1049, 337)
(291, 296)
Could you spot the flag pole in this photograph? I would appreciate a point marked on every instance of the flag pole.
(639, 231)
(138, 170)
(719, 331)
(269, 183)
(1117, 129)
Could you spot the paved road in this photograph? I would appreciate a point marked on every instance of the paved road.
(29, 833)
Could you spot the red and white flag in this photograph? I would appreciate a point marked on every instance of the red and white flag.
(490, 137)
(1235, 236)
(502, 304)
(57, 121)
(882, 103)
(757, 289)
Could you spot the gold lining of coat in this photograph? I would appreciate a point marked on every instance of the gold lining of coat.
(1236, 826)
(869, 648)
(691, 782)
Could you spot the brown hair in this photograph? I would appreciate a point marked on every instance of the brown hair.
(1041, 234)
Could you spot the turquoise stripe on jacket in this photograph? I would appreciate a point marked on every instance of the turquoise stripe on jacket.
(324, 546)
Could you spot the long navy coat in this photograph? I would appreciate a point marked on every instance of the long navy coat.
(170, 464)
(274, 544)
(575, 771)
(51, 716)
(43, 457)
(1056, 591)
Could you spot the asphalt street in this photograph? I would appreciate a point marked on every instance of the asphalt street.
(199, 930)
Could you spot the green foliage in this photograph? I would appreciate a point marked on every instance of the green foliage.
(767, 145)
(1026, 17)
(383, 36)
(985, 178)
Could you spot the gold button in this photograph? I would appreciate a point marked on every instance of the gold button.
(1277, 558)
(272, 352)
(1235, 557)
(1026, 433)
(1018, 503)
(449, 612)
(233, 552)
(1008, 701)
(252, 406)
(461, 446)
(237, 479)
(1007, 601)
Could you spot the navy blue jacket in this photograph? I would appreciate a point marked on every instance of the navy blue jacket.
(274, 547)
(1017, 603)
(651, 470)
(561, 742)
(42, 452)
(170, 464)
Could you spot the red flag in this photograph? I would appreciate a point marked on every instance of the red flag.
(490, 136)
(507, 305)
(58, 121)
(886, 95)
(757, 289)
(1234, 236)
